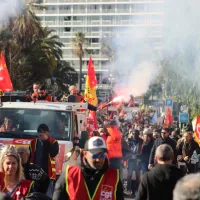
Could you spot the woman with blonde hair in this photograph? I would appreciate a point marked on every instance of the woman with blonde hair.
(14, 183)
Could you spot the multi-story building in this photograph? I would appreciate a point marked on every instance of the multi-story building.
(99, 19)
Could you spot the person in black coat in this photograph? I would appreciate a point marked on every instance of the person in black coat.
(159, 183)
(33, 172)
(146, 150)
(165, 139)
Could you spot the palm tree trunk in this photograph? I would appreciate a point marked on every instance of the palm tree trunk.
(80, 73)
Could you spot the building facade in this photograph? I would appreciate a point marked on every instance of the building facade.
(101, 19)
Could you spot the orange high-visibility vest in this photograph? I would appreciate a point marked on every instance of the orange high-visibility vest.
(22, 190)
(51, 160)
(77, 188)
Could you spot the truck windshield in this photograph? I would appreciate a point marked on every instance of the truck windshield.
(26, 122)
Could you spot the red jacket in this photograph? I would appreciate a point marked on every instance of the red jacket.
(76, 187)
(113, 142)
(22, 190)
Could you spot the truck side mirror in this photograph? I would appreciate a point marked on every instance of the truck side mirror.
(84, 136)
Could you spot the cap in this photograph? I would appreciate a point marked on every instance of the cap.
(42, 127)
(95, 145)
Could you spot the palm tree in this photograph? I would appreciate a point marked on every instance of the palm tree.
(27, 24)
(31, 50)
(65, 75)
(79, 44)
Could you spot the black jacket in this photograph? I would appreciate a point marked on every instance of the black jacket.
(145, 153)
(159, 183)
(36, 174)
(187, 149)
(91, 177)
(44, 149)
(157, 143)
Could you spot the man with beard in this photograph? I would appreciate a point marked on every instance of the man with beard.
(93, 180)
(43, 95)
(165, 139)
(186, 148)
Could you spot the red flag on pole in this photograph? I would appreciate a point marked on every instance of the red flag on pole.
(168, 120)
(197, 128)
(5, 82)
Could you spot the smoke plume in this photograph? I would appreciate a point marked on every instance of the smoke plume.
(182, 37)
(10, 8)
(137, 62)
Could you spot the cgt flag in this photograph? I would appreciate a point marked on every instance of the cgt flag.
(90, 85)
(196, 128)
(5, 82)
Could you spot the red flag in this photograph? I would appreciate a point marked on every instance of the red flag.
(168, 120)
(5, 82)
(197, 130)
(91, 73)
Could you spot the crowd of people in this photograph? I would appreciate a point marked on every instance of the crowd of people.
(121, 158)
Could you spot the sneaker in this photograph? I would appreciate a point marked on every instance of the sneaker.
(128, 192)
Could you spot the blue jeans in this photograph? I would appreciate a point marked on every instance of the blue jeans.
(132, 166)
(50, 189)
(144, 167)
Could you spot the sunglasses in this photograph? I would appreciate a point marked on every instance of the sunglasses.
(95, 156)
(164, 132)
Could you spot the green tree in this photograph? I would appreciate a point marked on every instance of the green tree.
(31, 51)
(179, 80)
(65, 75)
(79, 44)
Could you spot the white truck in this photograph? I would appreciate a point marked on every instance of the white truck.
(19, 122)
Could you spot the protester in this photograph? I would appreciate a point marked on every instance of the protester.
(10, 164)
(43, 152)
(175, 136)
(134, 164)
(188, 188)
(75, 96)
(43, 95)
(36, 87)
(165, 139)
(186, 148)
(33, 172)
(114, 145)
(158, 184)
(156, 135)
(93, 180)
(146, 150)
